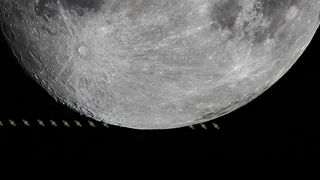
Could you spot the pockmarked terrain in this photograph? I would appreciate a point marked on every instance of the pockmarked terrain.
(157, 64)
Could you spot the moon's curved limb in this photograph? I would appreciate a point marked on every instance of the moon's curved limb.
(158, 63)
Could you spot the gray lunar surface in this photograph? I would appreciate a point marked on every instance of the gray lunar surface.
(157, 64)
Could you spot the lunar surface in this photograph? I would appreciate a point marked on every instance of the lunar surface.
(157, 64)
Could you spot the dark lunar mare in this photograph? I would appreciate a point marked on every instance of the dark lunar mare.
(224, 15)
(275, 11)
(81, 5)
(45, 7)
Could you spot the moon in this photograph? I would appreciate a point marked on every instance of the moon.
(157, 64)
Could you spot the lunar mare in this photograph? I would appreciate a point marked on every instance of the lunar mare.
(157, 64)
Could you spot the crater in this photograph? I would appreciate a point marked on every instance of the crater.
(292, 13)
(83, 50)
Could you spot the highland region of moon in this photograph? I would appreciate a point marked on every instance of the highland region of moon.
(157, 64)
